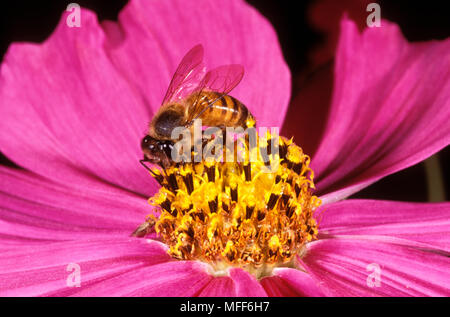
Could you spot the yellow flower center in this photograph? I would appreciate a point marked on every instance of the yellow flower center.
(256, 214)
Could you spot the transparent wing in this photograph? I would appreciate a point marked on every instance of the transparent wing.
(187, 77)
(222, 80)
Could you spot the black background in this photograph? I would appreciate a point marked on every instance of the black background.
(419, 21)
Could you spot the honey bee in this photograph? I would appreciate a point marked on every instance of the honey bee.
(193, 94)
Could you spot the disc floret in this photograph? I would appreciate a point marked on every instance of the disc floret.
(243, 214)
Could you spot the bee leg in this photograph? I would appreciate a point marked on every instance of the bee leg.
(145, 166)
(144, 229)
(224, 140)
(148, 168)
(224, 133)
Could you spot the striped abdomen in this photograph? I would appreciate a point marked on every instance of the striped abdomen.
(225, 111)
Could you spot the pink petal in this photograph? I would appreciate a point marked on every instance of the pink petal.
(68, 113)
(390, 108)
(298, 281)
(275, 286)
(246, 285)
(168, 279)
(157, 34)
(350, 267)
(427, 224)
(34, 208)
(287, 282)
(239, 283)
(44, 270)
(222, 286)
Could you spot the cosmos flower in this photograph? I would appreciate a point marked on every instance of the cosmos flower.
(75, 108)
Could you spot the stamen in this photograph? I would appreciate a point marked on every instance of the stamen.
(172, 180)
(210, 171)
(272, 201)
(248, 172)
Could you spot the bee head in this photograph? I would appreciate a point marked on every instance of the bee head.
(157, 151)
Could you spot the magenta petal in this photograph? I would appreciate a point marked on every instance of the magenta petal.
(239, 283)
(45, 270)
(177, 278)
(390, 108)
(298, 281)
(287, 282)
(222, 286)
(159, 33)
(424, 224)
(352, 267)
(275, 286)
(34, 208)
(68, 114)
(246, 285)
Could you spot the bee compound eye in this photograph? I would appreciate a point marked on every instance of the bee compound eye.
(146, 140)
(147, 143)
